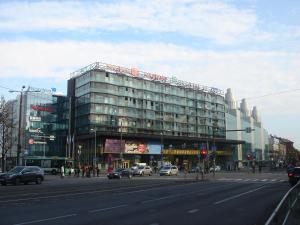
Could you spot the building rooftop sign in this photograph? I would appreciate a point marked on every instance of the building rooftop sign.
(133, 72)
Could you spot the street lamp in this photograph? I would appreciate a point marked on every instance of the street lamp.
(79, 153)
(121, 153)
(161, 145)
(95, 150)
(20, 119)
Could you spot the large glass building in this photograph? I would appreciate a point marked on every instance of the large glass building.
(44, 127)
(238, 119)
(123, 116)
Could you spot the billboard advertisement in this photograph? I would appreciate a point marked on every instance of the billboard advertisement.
(113, 145)
(154, 148)
(135, 147)
(132, 147)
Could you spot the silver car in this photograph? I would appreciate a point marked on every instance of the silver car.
(168, 170)
(143, 170)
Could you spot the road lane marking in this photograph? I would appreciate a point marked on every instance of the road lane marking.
(48, 219)
(109, 208)
(80, 193)
(193, 210)
(274, 180)
(239, 195)
(170, 196)
(264, 180)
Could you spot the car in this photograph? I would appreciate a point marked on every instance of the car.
(119, 173)
(143, 170)
(136, 165)
(23, 174)
(168, 170)
(217, 169)
(294, 175)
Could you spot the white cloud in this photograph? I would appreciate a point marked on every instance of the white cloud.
(220, 22)
(248, 73)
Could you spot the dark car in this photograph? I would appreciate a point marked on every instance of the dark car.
(294, 175)
(22, 174)
(119, 173)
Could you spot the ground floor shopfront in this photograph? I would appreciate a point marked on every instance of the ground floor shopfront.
(125, 152)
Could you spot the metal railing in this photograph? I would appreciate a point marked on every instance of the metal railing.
(285, 208)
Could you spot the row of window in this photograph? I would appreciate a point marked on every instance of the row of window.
(174, 113)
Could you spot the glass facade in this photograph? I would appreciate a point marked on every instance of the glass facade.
(44, 124)
(109, 101)
(255, 143)
(124, 114)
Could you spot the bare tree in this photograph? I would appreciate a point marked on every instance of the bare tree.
(6, 126)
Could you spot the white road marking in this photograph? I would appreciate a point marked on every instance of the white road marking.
(239, 195)
(264, 180)
(255, 180)
(273, 180)
(48, 219)
(193, 210)
(170, 196)
(109, 208)
(80, 193)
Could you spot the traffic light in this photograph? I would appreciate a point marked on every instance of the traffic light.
(203, 153)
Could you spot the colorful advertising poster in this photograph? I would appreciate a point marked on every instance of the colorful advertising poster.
(153, 148)
(113, 146)
(135, 147)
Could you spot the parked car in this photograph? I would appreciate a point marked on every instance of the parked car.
(294, 175)
(168, 170)
(119, 173)
(217, 169)
(143, 170)
(23, 174)
(135, 166)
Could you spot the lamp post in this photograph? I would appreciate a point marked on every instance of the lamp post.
(20, 120)
(121, 137)
(78, 154)
(95, 150)
(161, 145)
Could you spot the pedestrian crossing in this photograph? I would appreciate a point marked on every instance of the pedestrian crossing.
(271, 180)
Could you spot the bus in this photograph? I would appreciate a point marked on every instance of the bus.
(50, 165)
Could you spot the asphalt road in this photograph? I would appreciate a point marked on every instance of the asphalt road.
(150, 201)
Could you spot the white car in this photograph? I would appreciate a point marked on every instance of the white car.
(143, 170)
(168, 170)
(217, 169)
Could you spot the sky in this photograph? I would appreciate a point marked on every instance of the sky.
(250, 46)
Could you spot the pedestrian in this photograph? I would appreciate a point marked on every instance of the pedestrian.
(69, 170)
(62, 171)
(98, 171)
(83, 170)
(259, 166)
